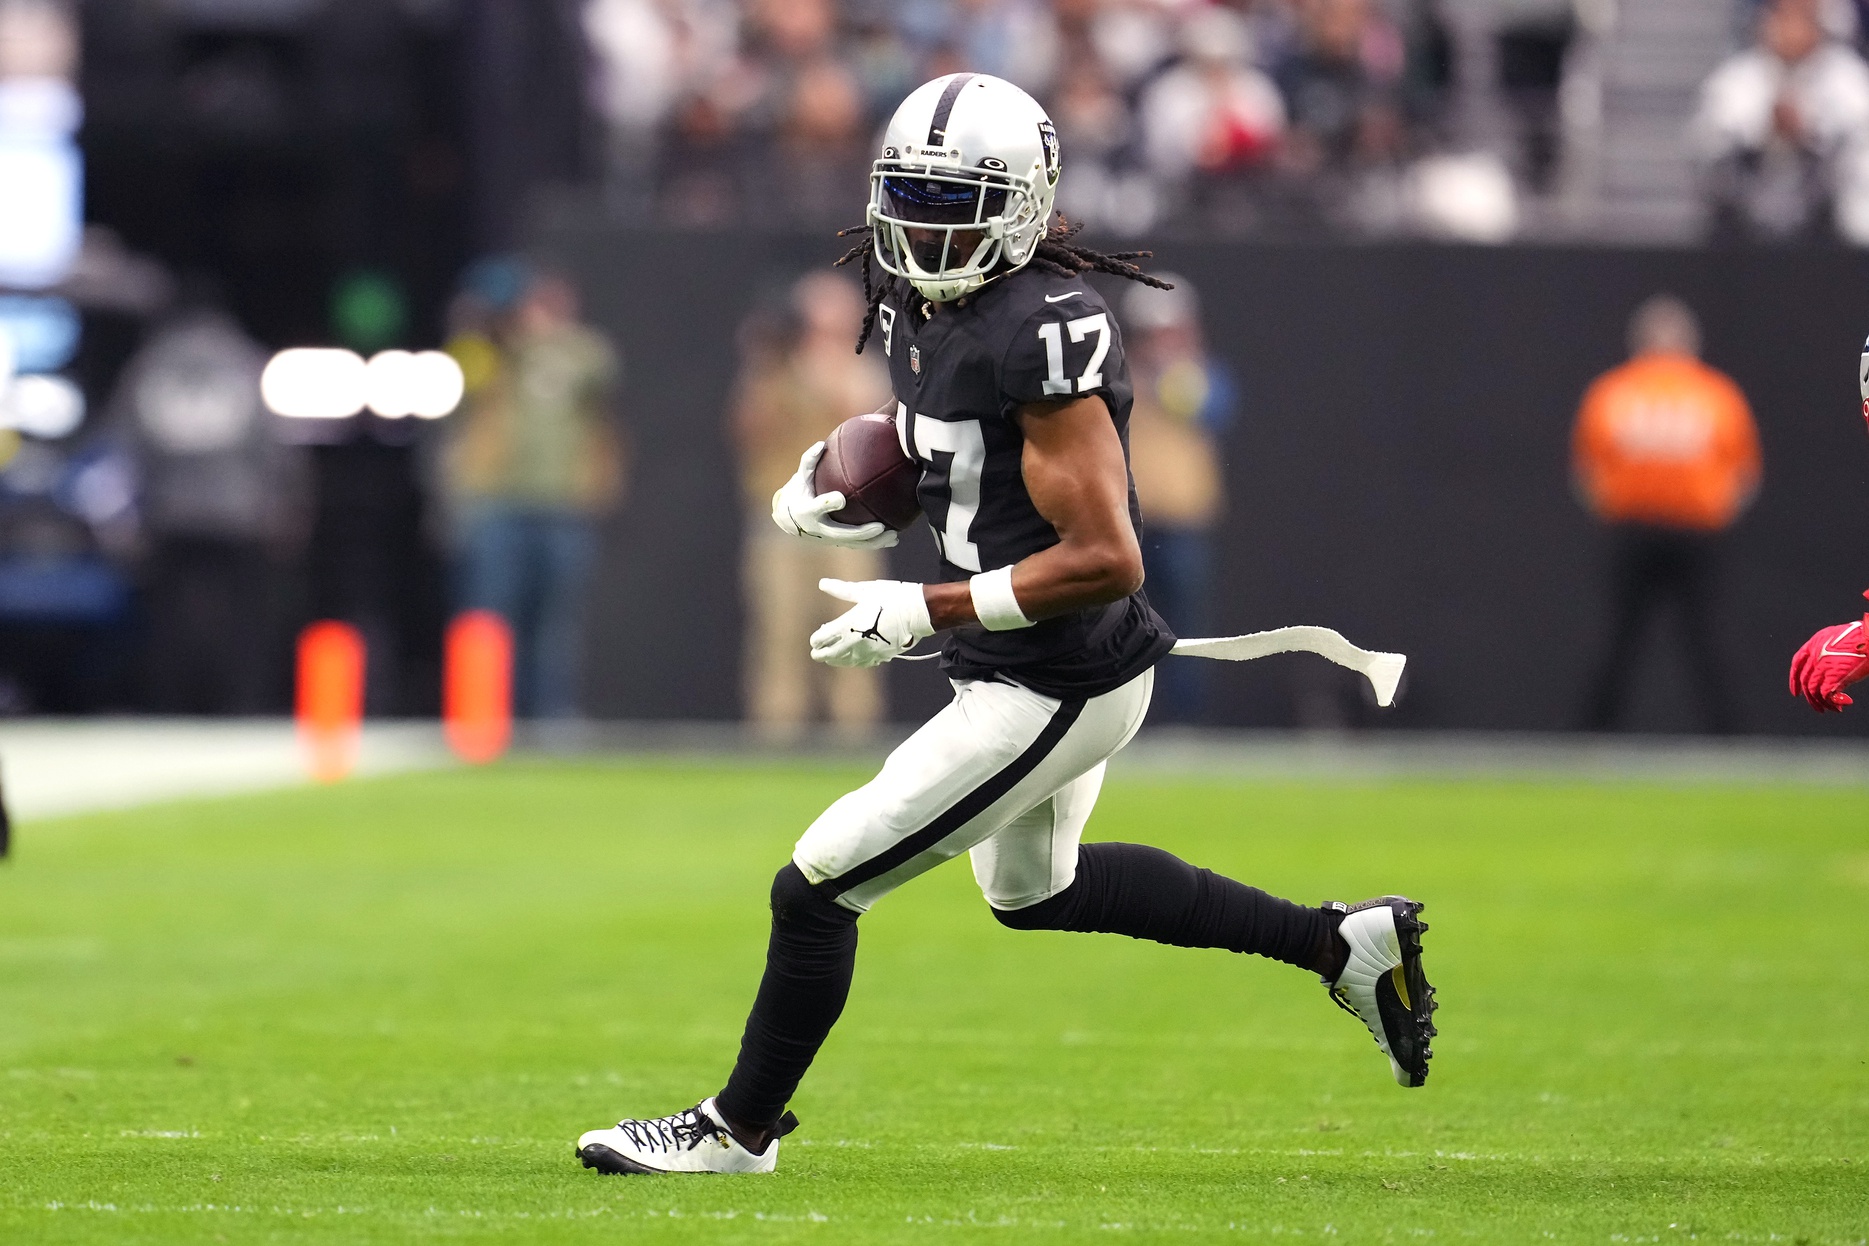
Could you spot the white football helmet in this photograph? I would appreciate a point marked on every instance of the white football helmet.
(965, 184)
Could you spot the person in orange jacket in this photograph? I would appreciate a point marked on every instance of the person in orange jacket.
(1838, 655)
(1666, 455)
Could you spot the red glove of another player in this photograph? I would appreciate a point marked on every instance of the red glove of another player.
(1828, 662)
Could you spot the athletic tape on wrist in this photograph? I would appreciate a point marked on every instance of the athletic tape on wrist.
(994, 602)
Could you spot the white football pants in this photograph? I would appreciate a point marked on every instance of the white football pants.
(1003, 773)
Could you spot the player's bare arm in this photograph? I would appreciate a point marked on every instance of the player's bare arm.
(1079, 481)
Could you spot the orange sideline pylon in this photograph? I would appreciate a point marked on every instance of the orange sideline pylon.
(477, 686)
(330, 697)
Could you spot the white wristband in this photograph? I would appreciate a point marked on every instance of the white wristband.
(994, 602)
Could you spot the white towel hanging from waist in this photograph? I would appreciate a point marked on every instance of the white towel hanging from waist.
(1383, 670)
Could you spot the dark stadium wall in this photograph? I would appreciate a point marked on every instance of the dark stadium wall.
(1399, 471)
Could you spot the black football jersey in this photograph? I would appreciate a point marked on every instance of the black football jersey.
(959, 372)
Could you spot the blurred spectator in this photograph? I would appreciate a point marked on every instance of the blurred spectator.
(1783, 132)
(1016, 40)
(536, 459)
(64, 604)
(884, 63)
(222, 509)
(822, 144)
(648, 52)
(794, 30)
(1342, 87)
(1846, 20)
(38, 39)
(1131, 39)
(1667, 458)
(762, 111)
(1098, 186)
(1184, 404)
(1534, 36)
(798, 380)
(1214, 117)
(775, 127)
(1428, 66)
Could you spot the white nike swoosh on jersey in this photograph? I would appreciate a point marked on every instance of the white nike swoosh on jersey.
(1059, 298)
(1828, 652)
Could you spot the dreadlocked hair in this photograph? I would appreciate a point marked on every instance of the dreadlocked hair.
(1055, 253)
(874, 292)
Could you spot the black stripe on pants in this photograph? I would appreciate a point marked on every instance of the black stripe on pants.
(812, 954)
(964, 810)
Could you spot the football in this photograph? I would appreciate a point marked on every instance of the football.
(863, 460)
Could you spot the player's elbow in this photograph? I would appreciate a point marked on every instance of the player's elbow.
(1096, 571)
(1126, 572)
(1118, 571)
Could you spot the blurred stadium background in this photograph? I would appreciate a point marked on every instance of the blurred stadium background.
(368, 313)
(1416, 230)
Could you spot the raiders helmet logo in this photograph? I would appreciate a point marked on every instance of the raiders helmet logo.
(1048, 138)
(915, 360)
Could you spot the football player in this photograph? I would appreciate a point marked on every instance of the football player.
(1013, 395)
(1837, 656)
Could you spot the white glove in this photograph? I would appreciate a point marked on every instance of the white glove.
(800, 510)
(889, 617)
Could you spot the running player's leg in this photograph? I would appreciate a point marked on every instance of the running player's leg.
(1037, 876)
(994, 753)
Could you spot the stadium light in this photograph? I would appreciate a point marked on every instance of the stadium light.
(316, 383)
(41, 211)
(42, 331)
(47, 407)
(1465, 198)
(309, 383)
(427, 385)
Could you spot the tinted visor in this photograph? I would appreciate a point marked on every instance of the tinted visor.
(930, 202)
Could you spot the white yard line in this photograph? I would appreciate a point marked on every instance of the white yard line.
(51, 767)
(1346, 756)
(1503, 755)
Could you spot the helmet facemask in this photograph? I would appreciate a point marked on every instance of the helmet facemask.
(945, 229)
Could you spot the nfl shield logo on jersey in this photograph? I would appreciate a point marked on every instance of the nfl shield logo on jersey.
(915, 360)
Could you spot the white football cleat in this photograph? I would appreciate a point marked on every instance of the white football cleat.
(1382, 983)
(696, 1140)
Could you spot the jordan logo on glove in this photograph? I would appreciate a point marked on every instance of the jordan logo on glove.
(885, 621)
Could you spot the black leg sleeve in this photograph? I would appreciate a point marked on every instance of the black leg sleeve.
(1146, 893)
(809, 963)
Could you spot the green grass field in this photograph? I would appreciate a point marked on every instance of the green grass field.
(381, 1013)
